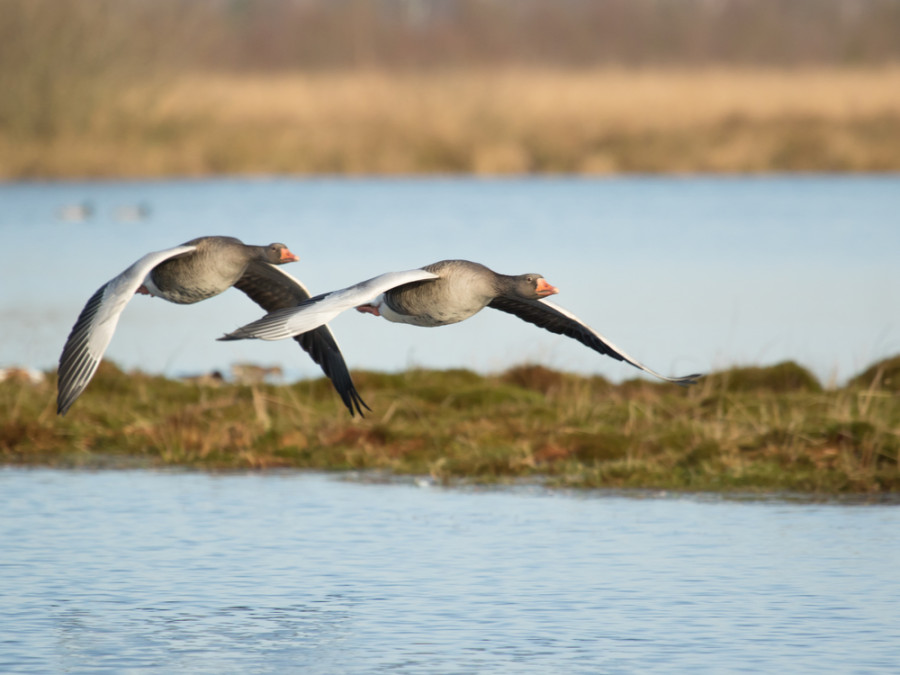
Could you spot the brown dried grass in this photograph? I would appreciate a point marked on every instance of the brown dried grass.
(517, 120)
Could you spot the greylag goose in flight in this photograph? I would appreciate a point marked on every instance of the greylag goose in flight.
(195, 271)
(436, 295)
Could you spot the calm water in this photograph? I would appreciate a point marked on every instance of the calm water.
(159, 572)
(687, 274)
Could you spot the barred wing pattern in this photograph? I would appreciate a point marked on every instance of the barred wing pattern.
(96, 324)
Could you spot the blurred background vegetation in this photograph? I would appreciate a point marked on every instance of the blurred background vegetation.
(134, 87)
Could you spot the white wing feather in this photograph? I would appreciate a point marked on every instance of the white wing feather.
(291, 321)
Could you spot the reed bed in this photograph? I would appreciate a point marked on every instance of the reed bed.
(484, 121)
(746, 429)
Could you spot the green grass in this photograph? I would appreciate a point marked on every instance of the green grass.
(745, 429)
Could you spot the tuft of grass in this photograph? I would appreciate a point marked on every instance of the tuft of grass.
(782, 377)
(768, 429)
(882, 376)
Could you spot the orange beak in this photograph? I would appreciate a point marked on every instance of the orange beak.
(287, 256)
(543, 288)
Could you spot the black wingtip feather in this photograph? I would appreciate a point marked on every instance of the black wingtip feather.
(687, 380)
(322, 347)
(274, 291)
(354, 399)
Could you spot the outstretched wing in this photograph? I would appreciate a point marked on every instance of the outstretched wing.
(96, 324)
(310, 314)
(554, 318)
(272, 288)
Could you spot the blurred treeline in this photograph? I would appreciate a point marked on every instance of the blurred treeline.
(339, 34)
(98, 69)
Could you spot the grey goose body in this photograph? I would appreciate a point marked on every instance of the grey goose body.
(461, 290)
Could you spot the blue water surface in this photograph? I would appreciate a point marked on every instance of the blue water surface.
(686, 274)
(161, 572)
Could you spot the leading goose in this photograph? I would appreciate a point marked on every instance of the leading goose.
(439, 294)
(195, 271)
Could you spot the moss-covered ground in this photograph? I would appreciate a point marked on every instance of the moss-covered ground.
(773, 429)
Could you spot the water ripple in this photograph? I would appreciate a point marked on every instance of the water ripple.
(158, 572)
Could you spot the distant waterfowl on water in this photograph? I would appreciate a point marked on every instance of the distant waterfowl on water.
(197, 270)
(132, 213)
(436, 295)
(76, 213)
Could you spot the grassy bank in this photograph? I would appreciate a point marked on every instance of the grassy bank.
(487, 121)
(750, 429)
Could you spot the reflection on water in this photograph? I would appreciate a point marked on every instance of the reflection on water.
(195, 573)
